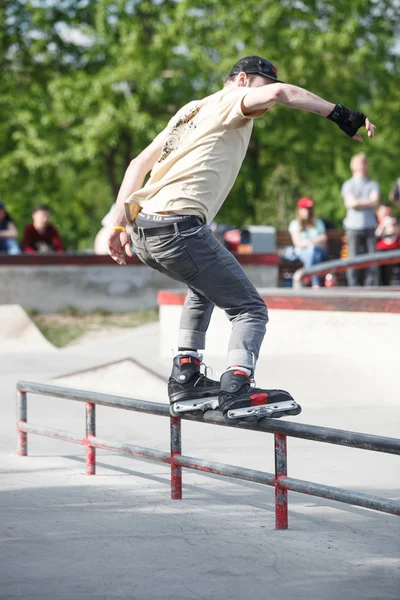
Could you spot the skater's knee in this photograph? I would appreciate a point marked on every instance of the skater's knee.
(256, 313)
(261, 312)
(253, 310)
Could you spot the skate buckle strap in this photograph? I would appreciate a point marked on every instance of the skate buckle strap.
(196, 360)
(189, 359)
(241, 373)
(259, 399)
(208, 371)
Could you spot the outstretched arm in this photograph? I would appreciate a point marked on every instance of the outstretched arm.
(135, 176)
(262, 98)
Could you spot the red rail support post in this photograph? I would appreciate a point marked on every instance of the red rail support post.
(281, 500)
(176, 450)
(22, 437)
(90, 432)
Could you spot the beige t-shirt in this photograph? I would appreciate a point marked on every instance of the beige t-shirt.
(206, 143)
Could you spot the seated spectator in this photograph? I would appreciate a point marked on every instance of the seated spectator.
(40, 235)
(388, 238)
(8, 233)
(309, 237)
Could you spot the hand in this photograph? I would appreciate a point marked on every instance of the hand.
(118, 245)
(370, 130)
(351, 202)
(350, 121)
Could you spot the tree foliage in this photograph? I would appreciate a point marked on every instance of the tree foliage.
(87, 85)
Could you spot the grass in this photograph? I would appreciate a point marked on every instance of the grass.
(64, 327)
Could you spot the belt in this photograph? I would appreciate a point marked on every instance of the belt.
(169, 229)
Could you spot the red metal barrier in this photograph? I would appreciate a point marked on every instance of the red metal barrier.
(281, 429)
(303, 275)
(281, 500)
(176, 451)
(90, 433)
(22, 445)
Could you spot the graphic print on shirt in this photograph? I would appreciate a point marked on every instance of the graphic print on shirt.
(179, 132)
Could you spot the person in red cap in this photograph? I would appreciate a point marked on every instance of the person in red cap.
(194, 163)
(309, 237)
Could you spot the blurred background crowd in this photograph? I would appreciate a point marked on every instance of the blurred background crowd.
(87, 85)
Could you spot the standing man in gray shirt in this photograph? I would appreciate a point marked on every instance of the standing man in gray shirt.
(361, 197)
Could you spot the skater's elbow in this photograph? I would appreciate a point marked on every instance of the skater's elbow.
(276, 91)
(139, 162)
(145, 161)
(271, 95)
(140, 165)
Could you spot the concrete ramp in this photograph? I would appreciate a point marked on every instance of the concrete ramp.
(18, 333)
(122, 378)
(118, 535)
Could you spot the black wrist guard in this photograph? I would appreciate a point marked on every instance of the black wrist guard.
(348, 120)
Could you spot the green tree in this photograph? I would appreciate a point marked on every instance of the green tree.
(87, 85)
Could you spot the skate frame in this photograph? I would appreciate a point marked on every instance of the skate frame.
(178, 409)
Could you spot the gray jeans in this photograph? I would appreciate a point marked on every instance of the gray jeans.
(214, 277)
(361, 242)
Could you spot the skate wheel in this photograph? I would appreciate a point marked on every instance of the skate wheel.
(172, 411)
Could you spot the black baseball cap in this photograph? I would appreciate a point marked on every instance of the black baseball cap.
(255, 65)
(2, 205)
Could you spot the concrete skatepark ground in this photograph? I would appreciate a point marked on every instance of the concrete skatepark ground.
(118, 535)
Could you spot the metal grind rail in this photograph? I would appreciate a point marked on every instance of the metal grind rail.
(281, 429)
(388, 257)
